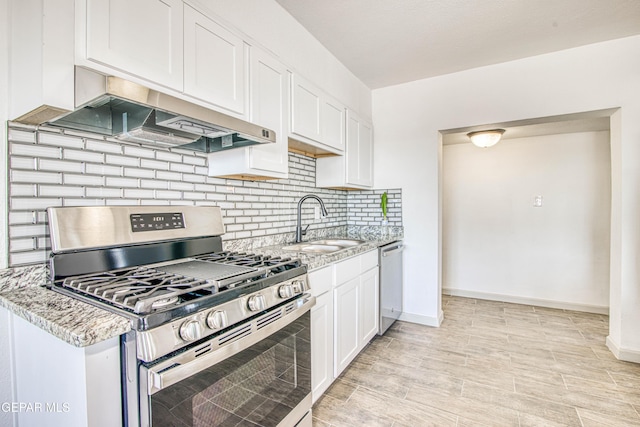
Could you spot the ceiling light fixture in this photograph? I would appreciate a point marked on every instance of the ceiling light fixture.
(485, 138)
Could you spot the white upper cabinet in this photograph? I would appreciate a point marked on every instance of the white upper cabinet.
(317, 120)
(268, 107)
(332, 120)
(214, 63)
(306, 107)
(354, 170)
(142, 37)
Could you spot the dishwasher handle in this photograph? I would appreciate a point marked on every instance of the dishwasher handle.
(390, 250)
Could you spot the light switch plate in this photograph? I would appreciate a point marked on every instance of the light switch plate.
(537, 201)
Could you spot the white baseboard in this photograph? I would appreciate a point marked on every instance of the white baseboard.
(423, 320)
(622, 353)
(528, 301)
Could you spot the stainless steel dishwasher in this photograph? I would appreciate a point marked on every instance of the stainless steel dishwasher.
(390, 284)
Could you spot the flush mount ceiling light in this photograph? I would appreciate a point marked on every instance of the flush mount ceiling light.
(485, 138)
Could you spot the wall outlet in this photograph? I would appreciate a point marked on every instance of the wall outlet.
(316, 212)
(537, 201)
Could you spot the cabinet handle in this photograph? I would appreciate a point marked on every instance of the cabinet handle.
(392, 250)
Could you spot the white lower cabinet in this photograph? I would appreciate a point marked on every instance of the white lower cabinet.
(346, 299)
(65, 385)
(345, 316)
(322, 344)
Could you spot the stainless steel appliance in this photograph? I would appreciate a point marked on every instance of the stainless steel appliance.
(218, 338)
(390, 257)
(113, 106)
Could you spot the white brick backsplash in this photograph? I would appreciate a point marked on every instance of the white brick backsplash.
(31, 257)
(36, 177)
(152, 183)
(99, 171)
(182, 186)
(23, 190)
(106, 147)
(154, 164)
(60, 166)
(33, 204)
(139, 152)
(18, 245)
(168, 156)
(71, 179)
(83, 156)
(111, 159)
(130, 193)
(122, 182)
(33, 150)
(193, 178)
(60, 140)
(139, 173)
(27, 230)
(60, 191)
(168, 176)
(28, 163)
(23, 217)
(196, 161)
(103, 192)
(103, 170)
(193, 195)
(82, 202)
(161, 194)
(17, 135)
(180, 167)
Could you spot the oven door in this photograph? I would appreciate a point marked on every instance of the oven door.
(256, 374)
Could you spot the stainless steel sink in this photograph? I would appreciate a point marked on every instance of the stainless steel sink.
(338, 242)
(325, 246)
(308, 247)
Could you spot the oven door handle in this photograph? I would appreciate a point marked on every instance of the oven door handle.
(174, 370)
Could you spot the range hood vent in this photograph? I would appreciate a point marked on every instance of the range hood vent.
(130, 112)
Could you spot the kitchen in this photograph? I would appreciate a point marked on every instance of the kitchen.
(401, 129)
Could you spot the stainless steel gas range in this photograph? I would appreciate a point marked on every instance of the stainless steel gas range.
(218, 338)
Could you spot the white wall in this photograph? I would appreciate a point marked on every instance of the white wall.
(497, 245)
(407, 119)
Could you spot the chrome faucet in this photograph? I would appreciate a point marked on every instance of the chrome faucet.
(299, 231)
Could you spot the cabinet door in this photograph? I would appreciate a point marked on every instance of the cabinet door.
(269, 101)
(333, 122)
(359, 155)
(306, 105)
(346, 316)
(322, 344)
(142, 37)
(214, 63)
(368, 306)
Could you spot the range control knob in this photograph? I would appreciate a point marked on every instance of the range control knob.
(286, 291)
(191, 330)
(299, 286)
(256, 303)
(217, 319)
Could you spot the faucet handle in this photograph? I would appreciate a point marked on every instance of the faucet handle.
(304, 232)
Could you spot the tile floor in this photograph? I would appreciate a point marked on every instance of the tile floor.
(489, 364)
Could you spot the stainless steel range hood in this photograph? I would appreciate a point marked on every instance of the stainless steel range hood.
(130, 112)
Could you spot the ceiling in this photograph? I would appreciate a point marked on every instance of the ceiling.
(387, 42)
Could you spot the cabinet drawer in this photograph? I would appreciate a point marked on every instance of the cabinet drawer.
(369, 260)
(347, 270)
(321, 280)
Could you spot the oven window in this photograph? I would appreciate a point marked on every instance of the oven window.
(256, 387)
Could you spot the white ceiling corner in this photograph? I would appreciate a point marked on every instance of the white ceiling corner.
(387, 42)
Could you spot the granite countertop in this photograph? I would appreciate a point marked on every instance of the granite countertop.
(319, 260)
(23, 293)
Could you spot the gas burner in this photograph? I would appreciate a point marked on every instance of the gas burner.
(161, 303)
